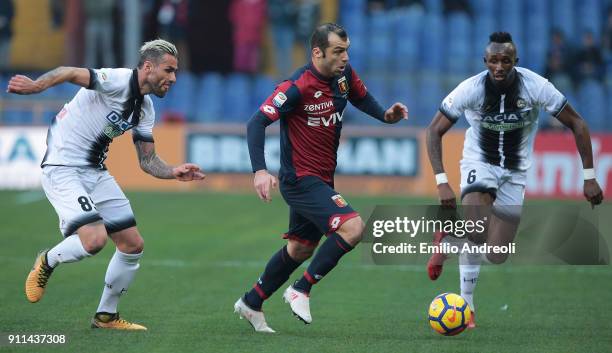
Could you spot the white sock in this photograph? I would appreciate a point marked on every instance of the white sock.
(451, 240)
(69, 250)
(119, 275)
(469, 269)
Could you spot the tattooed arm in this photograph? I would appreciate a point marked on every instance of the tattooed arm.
(150, 161)
(21, 84)
(152, 164)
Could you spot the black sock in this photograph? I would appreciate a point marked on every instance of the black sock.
(277, 272)
(324, 261)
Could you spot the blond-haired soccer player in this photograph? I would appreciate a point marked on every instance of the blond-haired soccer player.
(87, 199)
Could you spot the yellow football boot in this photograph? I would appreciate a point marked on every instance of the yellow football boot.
(113, 321)
(38, 278)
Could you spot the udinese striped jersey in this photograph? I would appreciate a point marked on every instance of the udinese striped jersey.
(503, 124)
(82, 131)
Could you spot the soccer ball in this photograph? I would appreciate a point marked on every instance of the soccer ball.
(449, 314)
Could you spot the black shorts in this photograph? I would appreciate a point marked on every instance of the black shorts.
(315, 208)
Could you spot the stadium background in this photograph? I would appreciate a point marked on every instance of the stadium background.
(234, 52)
(208, 241)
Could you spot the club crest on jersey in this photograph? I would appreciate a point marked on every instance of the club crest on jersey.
(339, 200)
(520, 103)
(343, 86)
(279, 99)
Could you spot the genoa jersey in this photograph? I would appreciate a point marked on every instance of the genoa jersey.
(310, 108)
(503, 124)
(112, 104)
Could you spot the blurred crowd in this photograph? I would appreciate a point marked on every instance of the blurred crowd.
(403, 48)
(229, 35)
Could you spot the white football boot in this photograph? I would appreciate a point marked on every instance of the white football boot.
(299, 302)
(254, 317)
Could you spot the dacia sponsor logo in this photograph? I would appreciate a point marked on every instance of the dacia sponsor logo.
(505, 121)
(505, 117)
(318, 106)
(117, 125)
(330, 121)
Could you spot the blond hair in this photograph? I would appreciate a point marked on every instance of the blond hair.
(154, 50)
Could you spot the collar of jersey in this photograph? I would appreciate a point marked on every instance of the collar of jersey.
(317, 74)
(502, 90)
(134, 87)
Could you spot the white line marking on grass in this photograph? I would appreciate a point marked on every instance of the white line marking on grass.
(27, 197)
(177, 263)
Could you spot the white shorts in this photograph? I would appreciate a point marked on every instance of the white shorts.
(84, 195)
(506, 186)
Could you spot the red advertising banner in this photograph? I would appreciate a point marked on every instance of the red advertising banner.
(557, 169)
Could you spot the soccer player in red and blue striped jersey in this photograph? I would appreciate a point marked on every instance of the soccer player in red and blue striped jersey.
(309, 106)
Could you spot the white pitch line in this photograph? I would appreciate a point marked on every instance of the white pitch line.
(27, 197)
(177, 263)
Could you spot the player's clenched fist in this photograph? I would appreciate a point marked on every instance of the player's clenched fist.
(447, 196)
(264, 182)
(592, 192)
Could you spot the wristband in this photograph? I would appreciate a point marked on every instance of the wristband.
(589, 173)
(442, 179)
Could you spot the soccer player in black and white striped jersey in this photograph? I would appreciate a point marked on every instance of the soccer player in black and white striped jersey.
(87, 199)
(501, 105)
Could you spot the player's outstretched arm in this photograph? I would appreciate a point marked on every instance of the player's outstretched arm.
(370, 106)
(438, 127)
(155, 166)
(571, 119)
(21, 84)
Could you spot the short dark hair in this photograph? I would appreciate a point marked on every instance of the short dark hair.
(500, 37)
(319, 36)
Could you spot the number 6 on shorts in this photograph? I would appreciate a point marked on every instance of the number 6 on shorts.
(471, 178)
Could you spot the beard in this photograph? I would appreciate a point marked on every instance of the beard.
(159, 94)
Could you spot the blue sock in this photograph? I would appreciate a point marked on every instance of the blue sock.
(324, 261)
(277, 272)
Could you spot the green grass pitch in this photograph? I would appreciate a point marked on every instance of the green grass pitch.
(203, 250)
